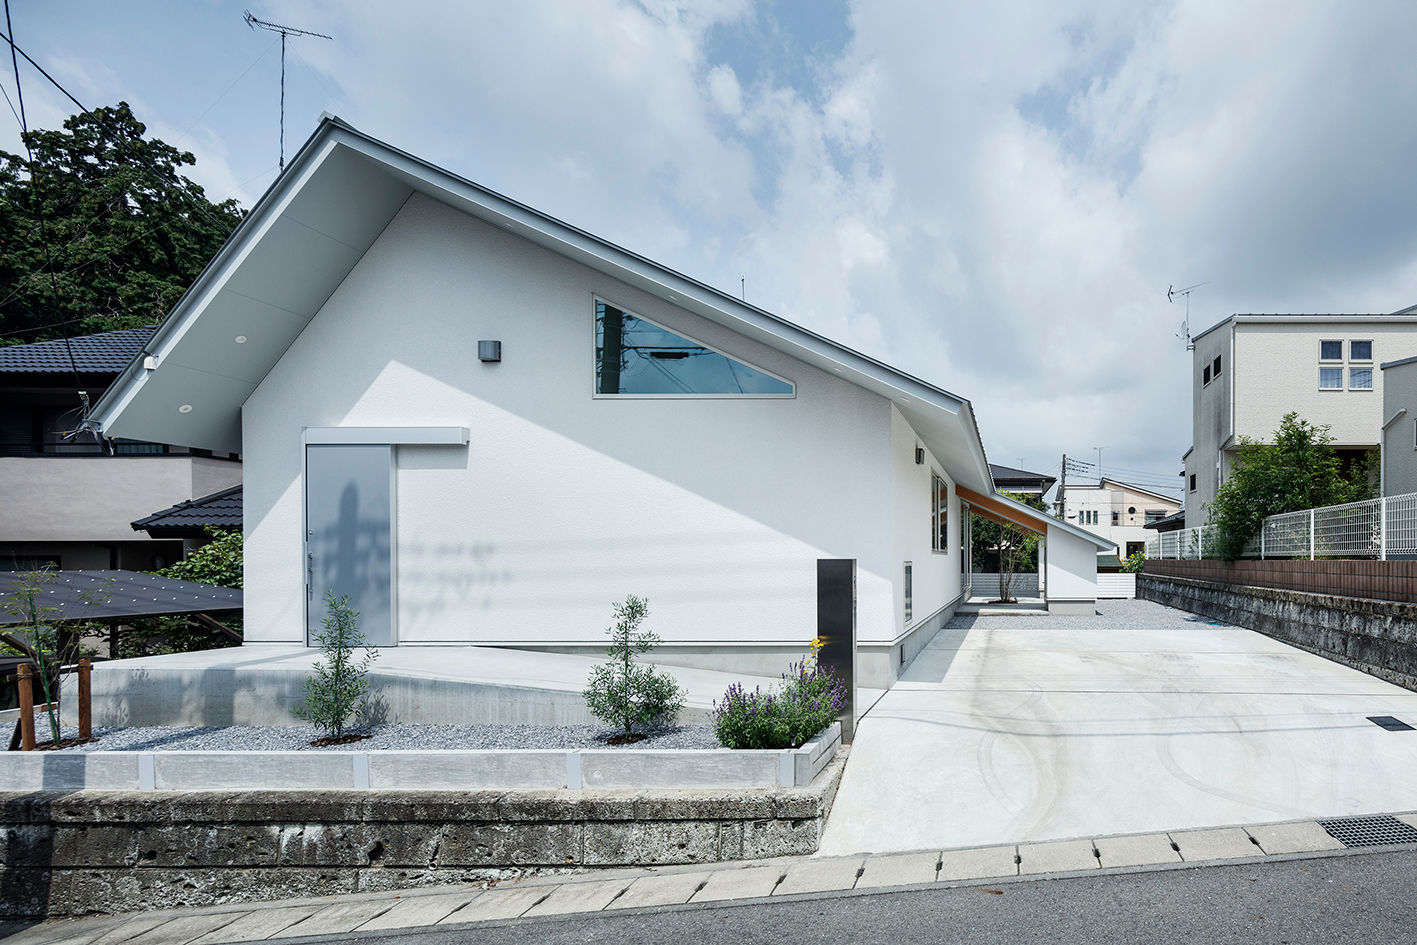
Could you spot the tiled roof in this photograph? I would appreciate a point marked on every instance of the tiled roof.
(1173, 522)
(105, 353)
(218, 510)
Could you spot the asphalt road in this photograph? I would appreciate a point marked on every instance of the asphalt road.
(1361, 897)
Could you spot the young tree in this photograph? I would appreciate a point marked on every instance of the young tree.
(127, 232)
(1298, 471)
(1008, 548)
(338, 687)
(623, 692)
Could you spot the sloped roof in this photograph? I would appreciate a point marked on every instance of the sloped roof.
(1009, 474)
(1404, 316)
(1172, 522)
(218, 510)
(314, 224)
(107, 352)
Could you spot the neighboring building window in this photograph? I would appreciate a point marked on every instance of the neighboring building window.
(939, 513)
(1360, 378)
(1156, 515)
(1360, 351)
(1330, 351)
(633, 355)
(1205, 375)
(909, 592)
(1116, 518)
(1215, 368)
(1330, 378)
(1192, 483)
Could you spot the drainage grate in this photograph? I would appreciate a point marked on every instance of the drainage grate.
(1391, 723)
(1369, 831)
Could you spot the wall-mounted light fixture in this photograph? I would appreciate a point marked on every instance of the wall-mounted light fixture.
(489, 351)
(920, 456)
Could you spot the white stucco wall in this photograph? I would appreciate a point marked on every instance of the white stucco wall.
(935, 574)
(1399, 474)
(1070, 567)
(715, 509)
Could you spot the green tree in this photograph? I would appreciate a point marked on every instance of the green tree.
(340, 682)
(127, 232)
(1299, 470)
(219, 562)
(1007, 549)
(623, 692)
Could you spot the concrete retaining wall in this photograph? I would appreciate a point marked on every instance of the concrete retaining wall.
(109, 852)
(1377, 636)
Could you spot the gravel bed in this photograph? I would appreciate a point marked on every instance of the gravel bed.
(1110, 615)
(384, 737)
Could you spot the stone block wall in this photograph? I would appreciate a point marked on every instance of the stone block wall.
(110, 852)
(1377, 636)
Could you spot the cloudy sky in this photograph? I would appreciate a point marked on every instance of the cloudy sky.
(993, 196)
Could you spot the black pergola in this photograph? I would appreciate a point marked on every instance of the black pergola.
(113, 596)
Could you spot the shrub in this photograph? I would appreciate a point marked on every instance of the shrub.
(1134, 563)
(809, 699)
(336, 690)
(624, 693)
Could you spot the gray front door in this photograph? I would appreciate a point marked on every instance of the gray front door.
(349, 535)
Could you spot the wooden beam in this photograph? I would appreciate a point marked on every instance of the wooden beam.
(996, 511)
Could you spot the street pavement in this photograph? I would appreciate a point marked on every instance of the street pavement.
(593, 899)
(997, 734)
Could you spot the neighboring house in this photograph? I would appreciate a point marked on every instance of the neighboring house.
(486, 426)
(1117, 511)
(192, 521)
(1399, 426)
(1251, 370)
(69, 497)
(1171, 523)
(1021, 481)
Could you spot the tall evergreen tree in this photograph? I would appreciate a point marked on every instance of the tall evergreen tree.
(127, 232)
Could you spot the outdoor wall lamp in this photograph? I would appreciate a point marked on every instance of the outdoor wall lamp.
(489, 351)
(920, 456)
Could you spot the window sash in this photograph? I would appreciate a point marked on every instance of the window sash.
(1360, 378)
(1330, 378)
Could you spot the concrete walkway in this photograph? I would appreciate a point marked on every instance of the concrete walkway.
(998, 735)
(623, 890)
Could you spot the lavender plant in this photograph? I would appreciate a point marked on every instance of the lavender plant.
(809, 698)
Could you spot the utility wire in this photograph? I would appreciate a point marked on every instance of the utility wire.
(38, 205)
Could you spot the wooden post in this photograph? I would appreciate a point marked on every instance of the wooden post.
(24, 682)
(85, 701)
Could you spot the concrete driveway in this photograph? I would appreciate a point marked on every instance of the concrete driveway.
(1009, 731)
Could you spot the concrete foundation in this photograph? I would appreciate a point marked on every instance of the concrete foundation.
(1376, 636)
(1072, 608)
(111, 852)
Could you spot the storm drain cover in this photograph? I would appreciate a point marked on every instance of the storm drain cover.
(1369, 831)
(1391, 723)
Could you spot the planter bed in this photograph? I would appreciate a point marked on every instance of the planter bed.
(411, 766)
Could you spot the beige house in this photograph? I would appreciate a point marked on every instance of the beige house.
(1251, 370)
(1117, 511)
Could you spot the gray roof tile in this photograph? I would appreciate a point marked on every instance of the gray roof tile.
(108, 352)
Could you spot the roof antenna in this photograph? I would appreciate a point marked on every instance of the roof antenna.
(1185, 333)
(284, 31)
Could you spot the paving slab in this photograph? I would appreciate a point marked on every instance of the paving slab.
(904, 869)
(75, 931)
(1056, 857)
(1409, 819)
(131, 929)
(579, 897)
(499, 904)
(668, 889)
(819, 876)
(184, 929)
(1136, 850)
(415, 911)
(340, 917)
(1129, 727)
(1224, 843)
(981, 863)
(1303, 837)
(750, 882)
(260, 923)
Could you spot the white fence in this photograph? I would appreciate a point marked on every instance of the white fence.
(1374, 528)
(986, 584)
(1116, 586)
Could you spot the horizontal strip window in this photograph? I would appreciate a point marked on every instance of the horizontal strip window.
(635, 356)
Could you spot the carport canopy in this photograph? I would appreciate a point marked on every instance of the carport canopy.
(110, 595)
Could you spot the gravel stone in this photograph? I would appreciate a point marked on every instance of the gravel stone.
(395, 737)
(1109, 615)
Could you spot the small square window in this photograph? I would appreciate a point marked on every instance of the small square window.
(1360, 351)
(1360, 378)
(1330, 351)
(1215, 368)
(1116, 518)
(1330, 378)
(1205, 375)
(1193, 482)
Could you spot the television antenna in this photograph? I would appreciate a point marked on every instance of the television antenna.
(284, 31)
(1171, 292)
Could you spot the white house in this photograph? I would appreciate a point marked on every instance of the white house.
(1251, 370)
(1117, 511)
(486, 425)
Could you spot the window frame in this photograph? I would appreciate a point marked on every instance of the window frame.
(1360, 341)
(1331, 341)
(939, 514)
(1215, 368)
(1205, 376)
(1192, 483)
(909, 591)
(1336, 368)
(1368, 368)
(595, 393)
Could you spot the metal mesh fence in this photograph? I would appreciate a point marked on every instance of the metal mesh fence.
(1374, 528)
